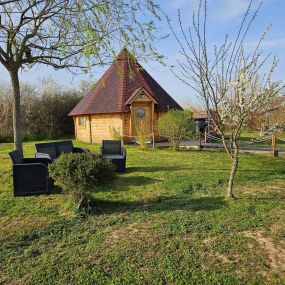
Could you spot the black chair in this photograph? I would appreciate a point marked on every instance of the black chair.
(115, 152)
(30, 175)
(53, 150)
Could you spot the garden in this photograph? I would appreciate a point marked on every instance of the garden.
(90, 211)
(164, 221)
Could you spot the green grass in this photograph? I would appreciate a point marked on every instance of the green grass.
(253, 136)
(163, 222)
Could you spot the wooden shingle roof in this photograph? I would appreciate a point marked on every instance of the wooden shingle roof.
(117, 85)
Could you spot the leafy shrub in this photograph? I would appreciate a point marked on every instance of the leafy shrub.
(6, 138)
(116, 133)
(31, 137)
(143, 135)
(78, 174)
(177, 125)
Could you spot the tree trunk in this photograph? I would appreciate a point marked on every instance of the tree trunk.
(235, 161)
(200, 140)
(176, 145)
(16, 111)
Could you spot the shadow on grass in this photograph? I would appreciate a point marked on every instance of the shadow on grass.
(156, 168)
(262, 198)
(160, 204)
(123, 183)
(179, 168)
(56, 190)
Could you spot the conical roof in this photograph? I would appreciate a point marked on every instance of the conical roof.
(116, 86)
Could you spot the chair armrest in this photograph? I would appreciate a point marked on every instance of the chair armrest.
(44, 161)
(123, 152)
(42, 155)
(81, 150)
(30, 169)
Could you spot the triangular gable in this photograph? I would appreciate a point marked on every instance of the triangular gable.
(136, 92)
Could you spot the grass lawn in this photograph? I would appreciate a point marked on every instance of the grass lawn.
(249, 136)
(163, 222)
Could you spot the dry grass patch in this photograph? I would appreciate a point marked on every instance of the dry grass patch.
(133, 233)
(279, 225)
(276, 253)
(12, 226)
(268, 191)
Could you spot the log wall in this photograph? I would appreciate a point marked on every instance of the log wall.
(99, 126)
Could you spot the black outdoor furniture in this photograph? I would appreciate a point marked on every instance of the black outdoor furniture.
(113, 150)
(30, 175)
(53, 150)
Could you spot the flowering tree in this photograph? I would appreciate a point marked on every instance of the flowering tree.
(230, 83)
(70, 34)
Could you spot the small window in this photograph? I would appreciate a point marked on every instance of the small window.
(140, 113)
(81, 121)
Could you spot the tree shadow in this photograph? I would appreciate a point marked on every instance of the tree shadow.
(159, 204)
(125, 182)
(261, 198)
(56, 190)
(179, 168)
(156, 169)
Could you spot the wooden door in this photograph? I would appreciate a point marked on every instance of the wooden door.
(141, 118)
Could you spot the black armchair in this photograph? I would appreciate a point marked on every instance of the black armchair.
(30, 175)
(53, 150)
(114, 151)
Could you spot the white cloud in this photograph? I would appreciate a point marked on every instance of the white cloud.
(179, 4)
(231, 9)
(274, 43)
(223, 10)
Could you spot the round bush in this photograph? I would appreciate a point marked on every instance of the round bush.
(79, 173)
(176, 125)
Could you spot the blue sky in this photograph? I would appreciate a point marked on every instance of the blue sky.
(224, 17)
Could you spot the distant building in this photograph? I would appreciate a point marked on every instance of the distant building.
(125, 94)
(204, 125)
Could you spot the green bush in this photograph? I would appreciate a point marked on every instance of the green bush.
(176, 125)
(116, 133)
(78, 174)
(143, 134)
(32, 137)
(26, 138)
(6, 139)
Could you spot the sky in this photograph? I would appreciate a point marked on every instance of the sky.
(224, 17)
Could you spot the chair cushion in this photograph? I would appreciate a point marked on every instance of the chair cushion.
(16, 157)
(114, 156)
(111, 147)
(49, 148)
(64, 147)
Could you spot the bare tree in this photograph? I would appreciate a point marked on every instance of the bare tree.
(70, 34)
(230, 82)
(85, 86)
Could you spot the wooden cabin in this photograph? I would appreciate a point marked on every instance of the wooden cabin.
(125, 95)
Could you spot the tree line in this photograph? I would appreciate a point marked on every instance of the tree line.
(44, 110)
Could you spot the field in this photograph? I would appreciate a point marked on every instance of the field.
(163, 222)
